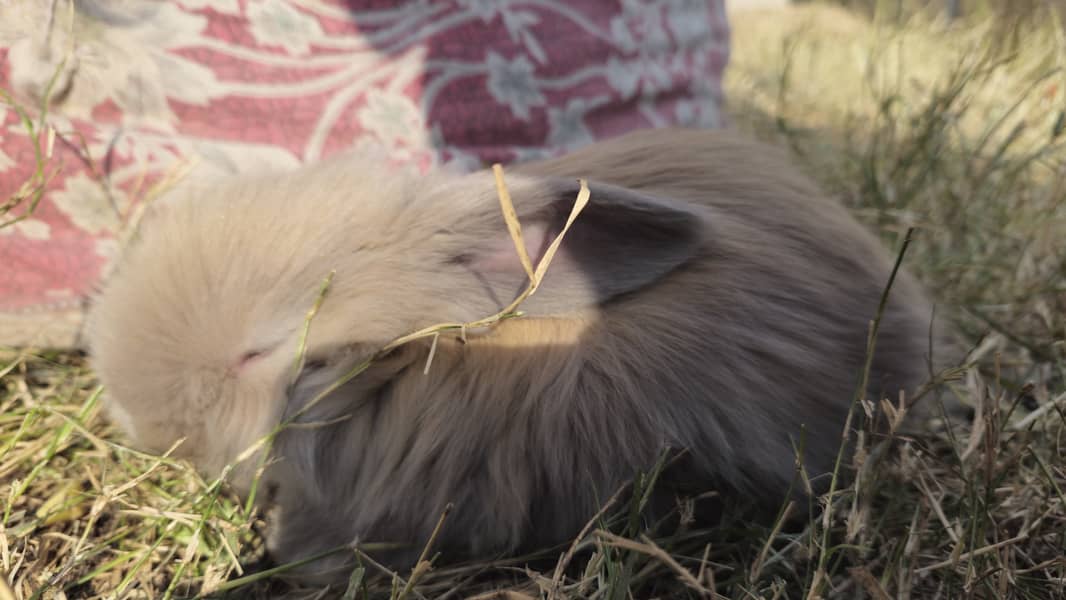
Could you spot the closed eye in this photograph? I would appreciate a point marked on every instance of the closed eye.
(314, 364)
(249, 358)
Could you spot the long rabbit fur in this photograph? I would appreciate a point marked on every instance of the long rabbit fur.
(709, 298)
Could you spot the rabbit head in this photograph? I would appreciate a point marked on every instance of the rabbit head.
(196, 335)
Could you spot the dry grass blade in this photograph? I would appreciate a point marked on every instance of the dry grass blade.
(511, 218)
(6, 593)
(869, 583)
(514, 228)
(1031, 418)
(395, 577)
(860, 393)
(34, 187)
(564, 561)
(579, 205)
(968, 555)
(648, 547)
(756, 567)
(301, 348)
(423, 564)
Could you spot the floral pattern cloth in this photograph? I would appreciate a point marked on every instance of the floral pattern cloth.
(144, 92)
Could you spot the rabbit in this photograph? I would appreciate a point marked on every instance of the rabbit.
(709, 298)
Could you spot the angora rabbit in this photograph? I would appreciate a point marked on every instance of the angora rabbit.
(709, 298)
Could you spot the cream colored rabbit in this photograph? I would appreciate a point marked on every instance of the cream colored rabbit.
(708, 298)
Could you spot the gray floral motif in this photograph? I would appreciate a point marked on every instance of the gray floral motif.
(567, 128)
(622, 77)
(486, 10)
(641, 29)
(85, 202)
(621, 35)
(641, 74)
(278, 23)
(689, 20)
(394, 119)
(452, 158)
(531, 153)
(512, 82)
(701, 109)
(518, 23)
(642, 23)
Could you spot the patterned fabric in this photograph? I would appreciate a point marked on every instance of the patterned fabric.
(147, 91)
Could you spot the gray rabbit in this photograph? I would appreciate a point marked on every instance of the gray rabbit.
(709, 298)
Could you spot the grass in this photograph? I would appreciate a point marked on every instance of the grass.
(956, 129)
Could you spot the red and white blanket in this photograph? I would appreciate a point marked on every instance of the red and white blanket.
(144, 91)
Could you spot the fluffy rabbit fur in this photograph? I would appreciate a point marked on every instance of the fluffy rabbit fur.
(709, 298)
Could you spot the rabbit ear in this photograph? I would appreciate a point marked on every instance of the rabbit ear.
(622, 240)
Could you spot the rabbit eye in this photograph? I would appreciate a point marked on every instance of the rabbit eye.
(314, 364)
(249, 358)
